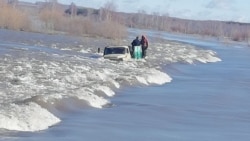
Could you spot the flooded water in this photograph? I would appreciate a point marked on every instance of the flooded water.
(192, 90)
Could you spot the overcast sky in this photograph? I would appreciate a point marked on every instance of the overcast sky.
(226, 10)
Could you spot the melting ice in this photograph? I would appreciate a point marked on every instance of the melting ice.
(31, 78)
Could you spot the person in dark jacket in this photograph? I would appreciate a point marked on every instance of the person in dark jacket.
(135, 42)
(144, 46)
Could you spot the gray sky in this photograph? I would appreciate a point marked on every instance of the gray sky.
(226, 10)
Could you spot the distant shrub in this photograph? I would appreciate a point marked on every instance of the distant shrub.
(52, 18)
(240, 36)
(55, 20)
(76, 25)
(110, 29)
(13, 18)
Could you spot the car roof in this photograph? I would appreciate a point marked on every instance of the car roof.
(117, 47)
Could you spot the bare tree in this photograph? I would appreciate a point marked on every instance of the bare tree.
(108, 11)
(51, 4)
(73, 9)
(13, 3)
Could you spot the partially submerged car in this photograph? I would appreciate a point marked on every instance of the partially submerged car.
(119, 53)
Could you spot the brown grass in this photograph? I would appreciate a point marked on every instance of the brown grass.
(110, 29)
(13, 18)
(51, 19)
(55, 20)
(76, 25)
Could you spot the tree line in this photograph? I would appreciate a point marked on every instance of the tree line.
(51, 16)
(221, 29)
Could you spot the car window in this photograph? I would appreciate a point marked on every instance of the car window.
(116, 50)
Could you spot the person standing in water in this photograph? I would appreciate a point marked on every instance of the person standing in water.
(135, 42)
(144, 46)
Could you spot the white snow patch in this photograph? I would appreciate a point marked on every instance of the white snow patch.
(27, 117)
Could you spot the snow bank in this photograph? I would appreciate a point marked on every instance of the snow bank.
(29, 117)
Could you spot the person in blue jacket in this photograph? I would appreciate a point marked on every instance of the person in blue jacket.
(135, 42)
